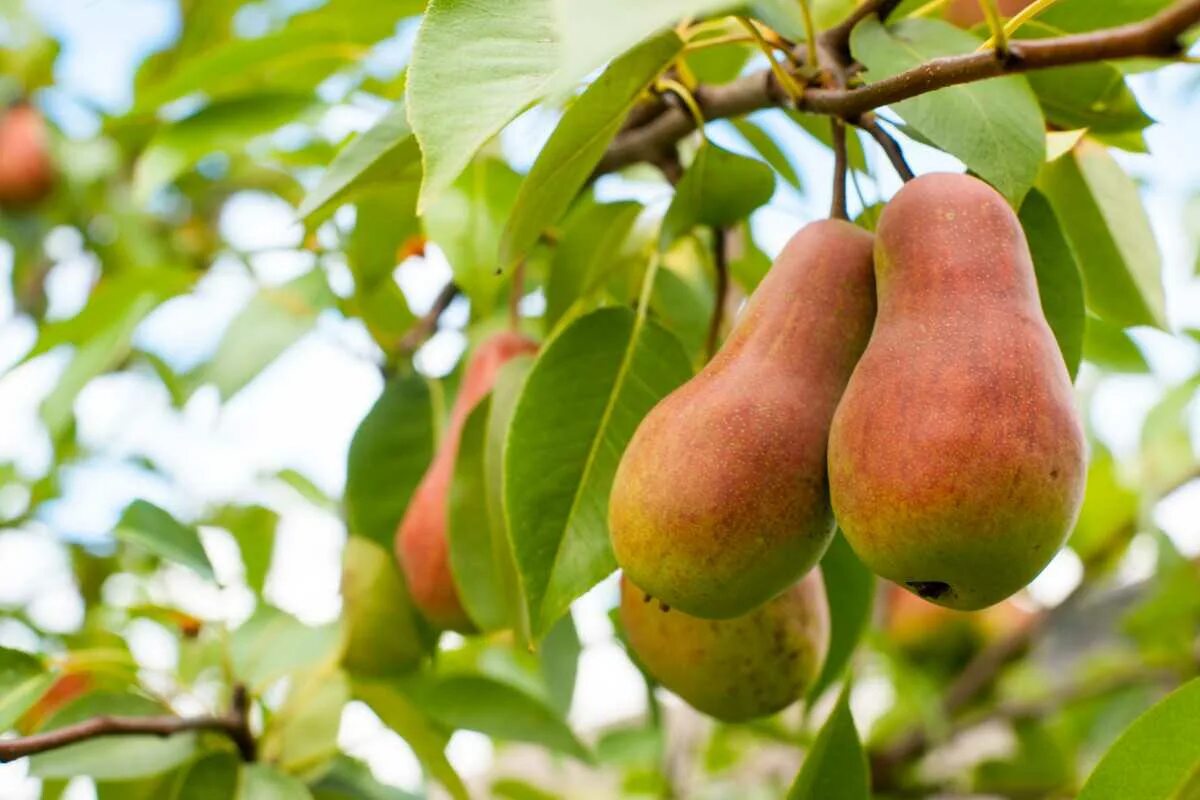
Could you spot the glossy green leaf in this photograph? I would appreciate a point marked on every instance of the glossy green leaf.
(559, 660)
(718, 189)
(575, 148)
(835, 767)
(265, 782)
(225, 125)
(588, 390)
(149, 527)
(1157, 757)
(850, 590)
(274, 319)
(994, 127)
(1060, 286)
(23, 680)
(387, 153)
(383, 632)
(115, 758)
(388, 456)
(1102, 215)
(589, 250)
(762, 142)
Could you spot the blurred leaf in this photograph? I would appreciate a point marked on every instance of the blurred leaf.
(850, 590)
(253, 528)
(559, 657)
(349, 779)
(272, 643)
(590, 247)
(785, 17)
(1102, 215)
(513, 789)
(264, 782)
(384, 634)
(575, 148)
(588, 390)
(301, 737)
(1041, 764)
(466, 221)
(719, 64)
(273, 320)
(683, 296)
(213, 775)
(387, 154)
(994, 127)
(835, 767)
(1158, 756)
(748, 264)
(1109, 347)
(476, 566)
(426, 737)
(388, 456)
(1164, 622)
(222, 126)
(116, 758)
(1084, 15)
(1108, 519)
(23, 681)
(148, 526)
(758, 138)
(718, 189)
(495, 708)
(1060, 286)
(1167, 455)
(817, 126)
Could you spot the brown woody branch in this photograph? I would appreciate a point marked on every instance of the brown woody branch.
(1156, 37)
(426, 326)
(235, 725)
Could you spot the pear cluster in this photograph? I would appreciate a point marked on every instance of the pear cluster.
(904, 387)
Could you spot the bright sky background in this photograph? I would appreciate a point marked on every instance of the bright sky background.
(304, 408)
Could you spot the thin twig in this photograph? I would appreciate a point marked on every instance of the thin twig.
(837, 208)
(891, 148)
(426, 326)
(721, 263)
(234, 725)
(1157, 36)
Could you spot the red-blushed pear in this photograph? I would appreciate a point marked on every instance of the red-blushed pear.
(733, 669)
(957, 457)
(26, 171)
(721, 500)
(968, 13)
(421, 544)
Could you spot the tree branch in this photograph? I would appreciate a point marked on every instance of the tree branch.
(721, 263)
(891, 148)
(426, 326)
(838, 209)
(1157, 36)
(234, 725)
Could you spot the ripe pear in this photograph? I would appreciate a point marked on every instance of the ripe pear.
(968, 13)
(26, 171)
(957, 456)
(721, 500)
(421, 544)
(733, 669)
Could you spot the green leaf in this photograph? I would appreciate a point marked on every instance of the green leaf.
(1074, 16)
(1167, 455)
(383, 632)
(817, 127)
(467, 220)
(214, 775)
(493, 59)
(272, 644)
(1060, 286)
(1108, 519)
(590, 248)
(349, 779)
(850, 590)
(1102, 215)
(386, 154)
(474, 564)
(301, 737)
(588, 390)
(115, 758)
(768, 148)
(264, 782)
(23, 680)
(718, 189)
(559, 657)
(220, 127)
(835, 767)
(426, 738)
(273, 320)
(994, 127)
(1110, 348)
(388, 456)
(579, 141)
(1158, 756)
(149, 527)
(253, 528)
(495, 708)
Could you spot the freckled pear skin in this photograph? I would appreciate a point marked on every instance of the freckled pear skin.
(421, 544)
(721, 500)
(733, 669)
(957, 457)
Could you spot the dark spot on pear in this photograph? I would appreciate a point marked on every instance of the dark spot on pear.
(929, 590)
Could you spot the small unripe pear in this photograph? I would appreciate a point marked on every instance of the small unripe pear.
(968, 13)
(733, 669)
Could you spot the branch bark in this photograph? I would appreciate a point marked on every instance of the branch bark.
(1157, 36)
